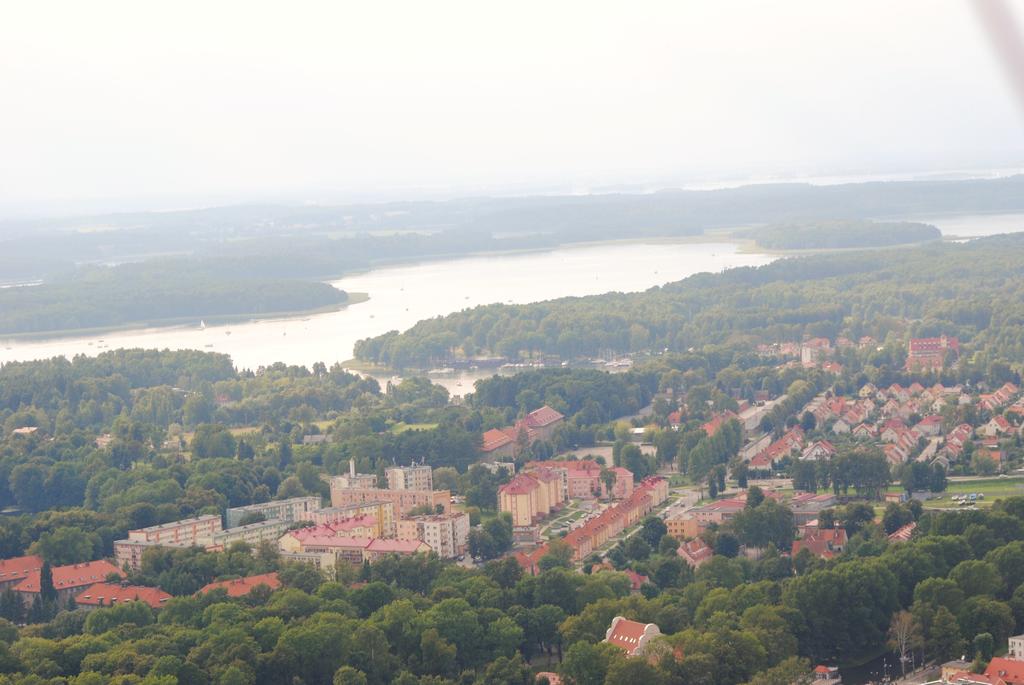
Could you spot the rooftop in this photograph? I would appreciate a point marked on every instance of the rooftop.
(108, 594)
(71, 576)
(240, 587)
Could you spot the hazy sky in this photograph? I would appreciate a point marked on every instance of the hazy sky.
(182, 103)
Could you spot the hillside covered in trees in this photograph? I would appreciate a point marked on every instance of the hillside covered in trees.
(153, 292)
(973, 290)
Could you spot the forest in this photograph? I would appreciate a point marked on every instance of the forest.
(972, 290)
(161, 291)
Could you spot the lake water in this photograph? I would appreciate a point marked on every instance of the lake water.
(402, 295)
(974, 225)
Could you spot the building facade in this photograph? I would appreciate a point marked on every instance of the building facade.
(410, 477)
(292, 509)
(447, 534)
(403, 501)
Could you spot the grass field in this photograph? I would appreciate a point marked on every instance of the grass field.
(402, 427)
(992, 488)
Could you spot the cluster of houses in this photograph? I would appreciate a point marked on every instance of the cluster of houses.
(904, 421)
(806, 507)
(545, 486)
(923, 354)
(599, 528)
(501, 444)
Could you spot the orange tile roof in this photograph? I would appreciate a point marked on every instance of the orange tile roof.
(383, 546)
(520, 485)
(240, 587)
(495, 439)
(72, 576)
(544, 416)
(1010, 670)
(627, 634)
(19, 567)
(108, 594)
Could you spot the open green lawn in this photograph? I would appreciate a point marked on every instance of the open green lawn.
(402, 427)
(993, 489)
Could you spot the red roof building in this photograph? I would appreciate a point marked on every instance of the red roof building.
(904, 533)
(928, 354)
(968, 678)
(824, 543)
(717, 421)
(109, 594)
(1010, 671)
(71, 577)
(540, 418)
(636, 580)
(239, 587)
(695, 552)
(495, 439)
(16, 569)
(631, 636)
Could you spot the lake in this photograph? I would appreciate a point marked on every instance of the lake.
(974, 225)
(402, 295)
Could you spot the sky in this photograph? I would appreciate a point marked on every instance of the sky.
(110, 105)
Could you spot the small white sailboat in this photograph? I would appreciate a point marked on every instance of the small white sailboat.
(202, 324)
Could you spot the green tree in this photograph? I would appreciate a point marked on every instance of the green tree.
(631, 672)
(47, 592)
(346, 675)
(559, 555)
(944, 640)
(588, 664)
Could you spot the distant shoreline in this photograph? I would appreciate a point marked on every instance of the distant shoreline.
(182, 321)
(727, 236)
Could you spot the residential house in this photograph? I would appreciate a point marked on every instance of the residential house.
(498, 445)
(864, 431)
(695, 552)
(841, 426)
(824, 543)
(818, 450)
(717, 421)
(807, 505)
(996, 426)
(930, 426)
